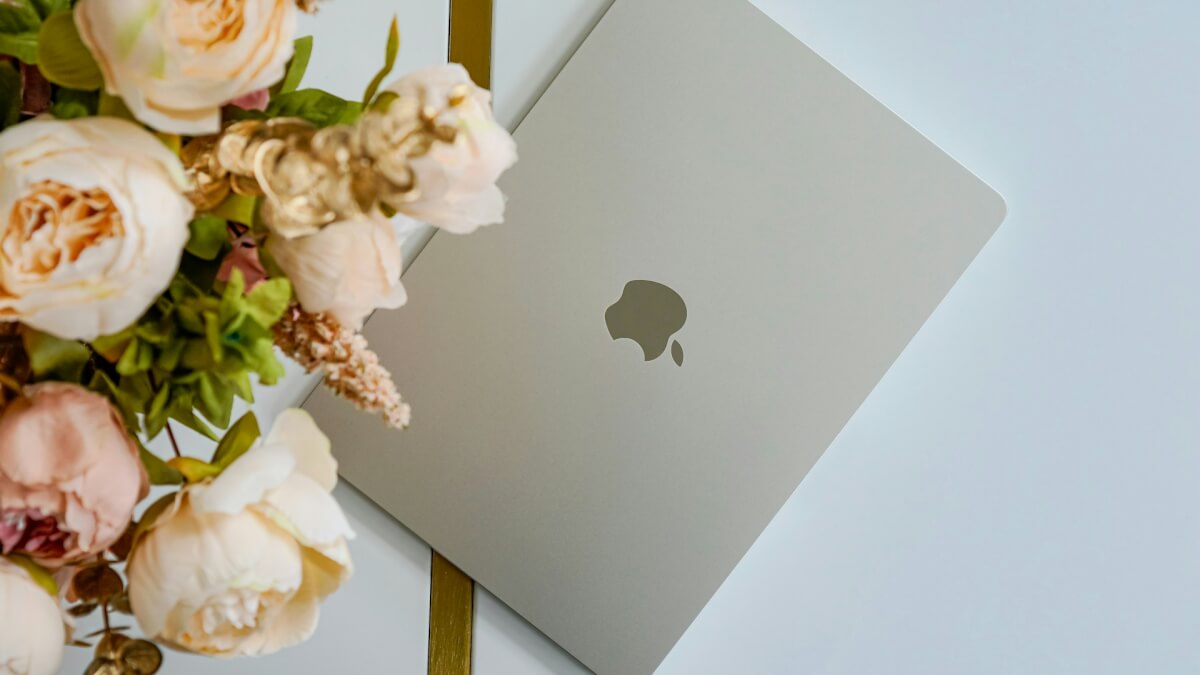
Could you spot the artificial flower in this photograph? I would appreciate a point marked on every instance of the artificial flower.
(177, 62)
(94, 224)
(238, 565)
(70, 474)
(31, 626)
(457, 181)
(346, 270)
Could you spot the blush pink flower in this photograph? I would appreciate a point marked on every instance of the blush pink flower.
(70, 475)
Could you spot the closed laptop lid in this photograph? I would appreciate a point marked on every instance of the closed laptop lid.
(716, 246)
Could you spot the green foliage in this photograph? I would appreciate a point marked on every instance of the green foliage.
(39, 574)
(72, 104)
(194, 470)
(54, 357)
(159, 471)
(113, 106)
(318, 107)
(238, 209)
(389, 62)
(209, 236)
(301, 53)
(189, 356)
(19, 25)
(63, 58)
(10, 95)
(237, 440)
(47, 7)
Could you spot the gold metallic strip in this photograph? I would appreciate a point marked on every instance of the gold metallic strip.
(471, 38)
(451, 604)
(451, 593)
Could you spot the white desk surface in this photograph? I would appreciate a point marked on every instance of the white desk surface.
(1021, 494)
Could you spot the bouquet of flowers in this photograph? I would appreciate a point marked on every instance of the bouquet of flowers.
(176, 214)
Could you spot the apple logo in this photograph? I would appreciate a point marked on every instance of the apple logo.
(648, 313)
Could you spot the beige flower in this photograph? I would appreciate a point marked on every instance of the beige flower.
(457, 181)
(347, 269)
(176, 62)
(31, 626)
(239, 564)
(93, 222)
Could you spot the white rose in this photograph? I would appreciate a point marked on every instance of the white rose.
(95, 224)
(239, 564)
(176, 62)
(347, 269)
(31, 625)
(457, 181)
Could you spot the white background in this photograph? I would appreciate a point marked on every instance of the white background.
(1019, 495)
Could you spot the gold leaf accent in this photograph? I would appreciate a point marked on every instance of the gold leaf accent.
(97, 582)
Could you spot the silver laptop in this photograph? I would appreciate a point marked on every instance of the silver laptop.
(716, 246)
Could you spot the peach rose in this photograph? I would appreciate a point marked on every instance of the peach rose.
(176, 62)
(238, 565)
(458, 180)
(347, 269)
(70, 475)
(93, 222)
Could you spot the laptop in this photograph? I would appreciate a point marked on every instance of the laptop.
(716, 246)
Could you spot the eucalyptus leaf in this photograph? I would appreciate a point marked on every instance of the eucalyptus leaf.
(389, 61)
(62, 56)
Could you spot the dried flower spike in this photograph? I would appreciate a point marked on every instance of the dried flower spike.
(352, 371)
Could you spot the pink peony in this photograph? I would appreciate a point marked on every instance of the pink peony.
(70, 474)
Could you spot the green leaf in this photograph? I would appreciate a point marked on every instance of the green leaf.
(237, 440)
(214, 399)
(301, 53)
(209, 236)
(268, 301)
(194, 470)
(62, 56)
(241, 386)
(150, 516)
(51, 356)
(389, 61)
(182, 411)
(47, 7)
(159, 471)
(39, 574)
(113, 106)
(10, 95)
(318, 107)
(24, 46)
(19, 24)
(237, 208)
(72, 104)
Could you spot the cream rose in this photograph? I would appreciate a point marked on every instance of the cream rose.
(457, 181)
(94, 224)
(347, 269)
(176, 62)
(31, 626)
(239, 564)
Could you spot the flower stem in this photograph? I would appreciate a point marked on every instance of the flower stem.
(174, 443)
(104, 610)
